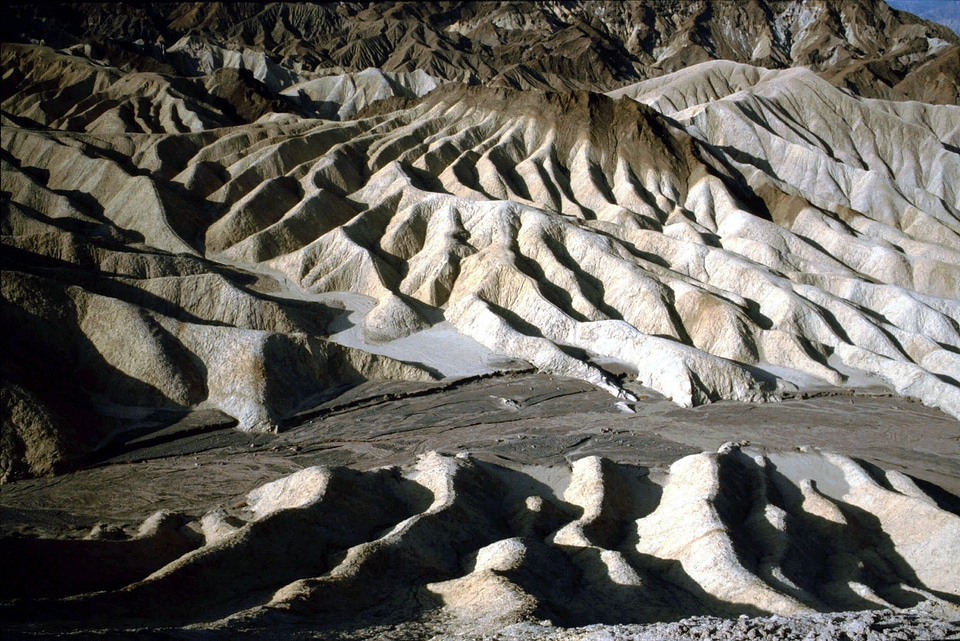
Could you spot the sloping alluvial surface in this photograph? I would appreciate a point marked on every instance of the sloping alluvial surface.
(455, 540)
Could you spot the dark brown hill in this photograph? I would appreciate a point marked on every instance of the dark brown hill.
(862, 45)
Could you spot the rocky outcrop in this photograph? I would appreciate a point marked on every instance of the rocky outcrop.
(727, 533)
(864, 46)
(687, 226)
(730, 230)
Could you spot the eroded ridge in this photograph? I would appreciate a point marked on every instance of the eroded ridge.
(457, 541)
(744, 233)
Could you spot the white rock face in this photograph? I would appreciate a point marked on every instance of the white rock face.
(539, 236)
(341, 96)
(743, 228)
(202, 57)
(290, 492)
(726, 533)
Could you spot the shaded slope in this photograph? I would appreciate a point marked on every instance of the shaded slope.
(474, 546)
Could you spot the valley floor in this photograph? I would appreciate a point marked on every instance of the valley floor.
(533, 424)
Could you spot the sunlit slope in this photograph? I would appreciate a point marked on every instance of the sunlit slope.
(771, 227)
(746, 231)
(482, 546)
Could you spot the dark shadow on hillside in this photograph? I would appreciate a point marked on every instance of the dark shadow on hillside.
(817, 545)
(945, 500)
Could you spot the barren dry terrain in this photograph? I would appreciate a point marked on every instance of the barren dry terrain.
(505, 320)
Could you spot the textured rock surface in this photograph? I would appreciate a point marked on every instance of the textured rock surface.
(862, 45)
(291, 217)
(452, 541)
(726, 231)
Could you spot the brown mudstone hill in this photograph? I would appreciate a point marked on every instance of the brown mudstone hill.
(863, 45)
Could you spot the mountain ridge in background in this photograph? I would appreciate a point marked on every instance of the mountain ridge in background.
(544, 45)
(945, 12)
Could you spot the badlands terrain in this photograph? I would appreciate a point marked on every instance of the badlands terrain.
(528, 320)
